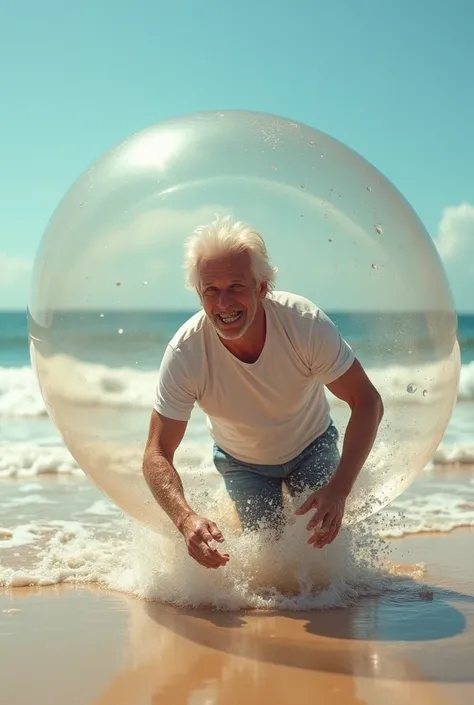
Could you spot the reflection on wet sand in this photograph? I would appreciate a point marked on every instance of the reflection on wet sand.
(380, 651)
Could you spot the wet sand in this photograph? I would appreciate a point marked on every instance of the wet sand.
(81, 646)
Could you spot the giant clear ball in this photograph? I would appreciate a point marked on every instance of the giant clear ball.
(108, 292)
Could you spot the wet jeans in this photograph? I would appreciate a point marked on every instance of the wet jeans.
(256, 490)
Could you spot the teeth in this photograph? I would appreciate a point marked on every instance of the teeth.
(230, 319)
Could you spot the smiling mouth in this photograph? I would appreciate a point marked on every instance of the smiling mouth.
(227, 319)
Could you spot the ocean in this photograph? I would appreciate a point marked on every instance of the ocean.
(57, 526)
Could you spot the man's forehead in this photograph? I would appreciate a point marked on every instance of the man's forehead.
(225, 265)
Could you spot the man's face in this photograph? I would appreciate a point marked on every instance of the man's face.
(229, 293)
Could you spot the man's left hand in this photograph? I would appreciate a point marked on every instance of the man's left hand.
(325, 524)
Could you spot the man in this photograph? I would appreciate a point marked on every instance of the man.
(256, 361)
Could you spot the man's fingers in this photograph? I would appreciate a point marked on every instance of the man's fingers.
(324, 536)
(210, 553)
(205, 536)
(203, 542)
(318, 535)
(311, 502)
(318, 518)
(199, 557)
(202, 538)
(216, 534)
(208, 559)
(330, 519)
(335, 529)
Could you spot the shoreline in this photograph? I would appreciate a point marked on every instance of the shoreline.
(86, 645)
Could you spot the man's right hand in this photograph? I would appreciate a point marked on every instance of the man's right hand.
(198, 534)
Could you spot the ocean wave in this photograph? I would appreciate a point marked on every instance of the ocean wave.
(99, 385)
(23, 460)
(19, 393)
(456, 454)
(30, 460)
(436, 512)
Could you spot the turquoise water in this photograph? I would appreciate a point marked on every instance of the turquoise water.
(146, 333)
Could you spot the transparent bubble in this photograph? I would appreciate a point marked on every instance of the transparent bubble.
(412, 388)
(123, 224)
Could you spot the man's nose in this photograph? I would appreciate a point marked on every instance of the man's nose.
(224, 299)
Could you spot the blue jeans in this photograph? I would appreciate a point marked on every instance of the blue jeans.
(256, 490)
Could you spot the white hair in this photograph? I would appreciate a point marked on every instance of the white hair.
(222, 236)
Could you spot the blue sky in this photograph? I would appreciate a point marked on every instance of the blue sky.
(390, 79)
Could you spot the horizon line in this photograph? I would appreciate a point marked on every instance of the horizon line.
(459, 312)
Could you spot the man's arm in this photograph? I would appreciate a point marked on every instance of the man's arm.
(164, 437)
(355, 388)
(365, 402)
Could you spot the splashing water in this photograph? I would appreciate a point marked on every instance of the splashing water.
(263, 572)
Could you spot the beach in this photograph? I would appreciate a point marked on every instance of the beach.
(87, 645)
(98, 609)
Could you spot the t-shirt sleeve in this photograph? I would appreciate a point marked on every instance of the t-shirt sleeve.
(330, 355)
(174, 396)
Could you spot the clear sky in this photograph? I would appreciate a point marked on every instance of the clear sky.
(393, 80)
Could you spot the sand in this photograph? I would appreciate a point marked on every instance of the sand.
(82, 646)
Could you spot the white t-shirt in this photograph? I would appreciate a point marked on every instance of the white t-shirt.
(264, 412)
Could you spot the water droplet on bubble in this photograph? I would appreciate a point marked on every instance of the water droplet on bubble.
(412, 388)
(379, 229)
(375, 266)
(118, 283)
(101, 315)
(120, 331)
(145, 283)
(368, 188)
(425, 392)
